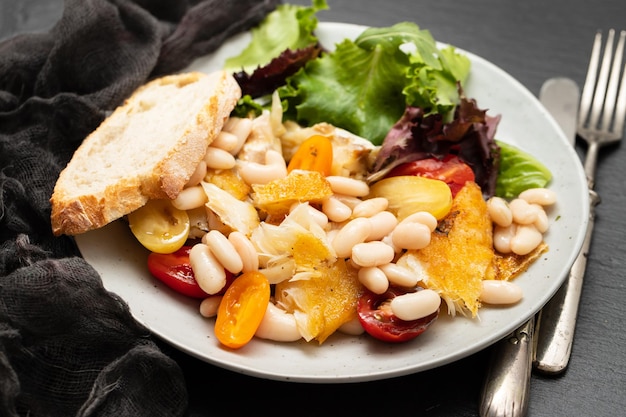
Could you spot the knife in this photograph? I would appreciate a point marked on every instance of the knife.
(560, 96)
(506, 387)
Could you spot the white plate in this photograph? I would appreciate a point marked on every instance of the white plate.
(122, 262)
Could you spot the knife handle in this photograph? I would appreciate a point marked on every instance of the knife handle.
(557, 321)
(506, 389)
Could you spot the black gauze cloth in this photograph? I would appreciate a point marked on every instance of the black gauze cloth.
(68, 347)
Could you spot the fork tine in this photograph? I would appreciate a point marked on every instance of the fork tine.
(603, 79)
(614, 82)
(590, 81)
(620, 112)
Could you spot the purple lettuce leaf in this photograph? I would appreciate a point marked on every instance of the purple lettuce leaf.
(470, 135)
(264, 80)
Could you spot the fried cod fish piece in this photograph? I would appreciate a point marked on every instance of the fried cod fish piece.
(508, 266)
(460, 254)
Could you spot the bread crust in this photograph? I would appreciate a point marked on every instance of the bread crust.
(78, 212)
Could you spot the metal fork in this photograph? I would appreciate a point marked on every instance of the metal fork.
(601, 119)
(602, 107)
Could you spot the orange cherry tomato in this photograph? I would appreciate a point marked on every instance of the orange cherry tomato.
(314, 154)
(242, 308)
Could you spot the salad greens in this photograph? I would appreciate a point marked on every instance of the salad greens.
(380, 73)
(288, 27)
(393, 86)
(519, 171)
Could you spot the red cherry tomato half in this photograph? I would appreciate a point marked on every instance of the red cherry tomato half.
(451, 170)
(379, 321)
(174, 270)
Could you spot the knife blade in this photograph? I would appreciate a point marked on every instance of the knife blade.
(506, 387)
(560, 96)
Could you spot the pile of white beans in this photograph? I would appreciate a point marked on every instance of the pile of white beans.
(519, 226)
(356, 228)
(520, 223)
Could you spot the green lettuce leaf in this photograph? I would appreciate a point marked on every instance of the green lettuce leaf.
(519, 171)
(249, 107)
(365, 85)
(434, 87)
(354, 88)
(287, 27)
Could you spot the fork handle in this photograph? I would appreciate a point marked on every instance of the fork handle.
(557, 320)
(591, 161)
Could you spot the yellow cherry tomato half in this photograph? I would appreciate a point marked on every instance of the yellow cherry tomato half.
(242, 308)
(159, 226)
(409, 194)
(314, 154)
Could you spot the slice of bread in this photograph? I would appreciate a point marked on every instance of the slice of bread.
(146, 149)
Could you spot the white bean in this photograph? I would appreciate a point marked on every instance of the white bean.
(502, 237)
(210, 305)
(526, 239)
(399, 275)
(190, 198)
(246, 251)
(500, 292)
(411, 235)
(352, 327)
(541, 196)
(373, 279)
(372, 253)
(499, 211)
(240, 127)
(278, 325)
(217, 158)
(331, 233)
(415, 305)
(370, 207)
(523, 213)
(348, 200)
(542, 223)
(335, 210)
(226, 141)
(355, 231)
(209, 273)
(224, 251)
(255, 173)
(348, 186)
(423, 217)
(389, 241)
(198, 175)
(383, 223)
